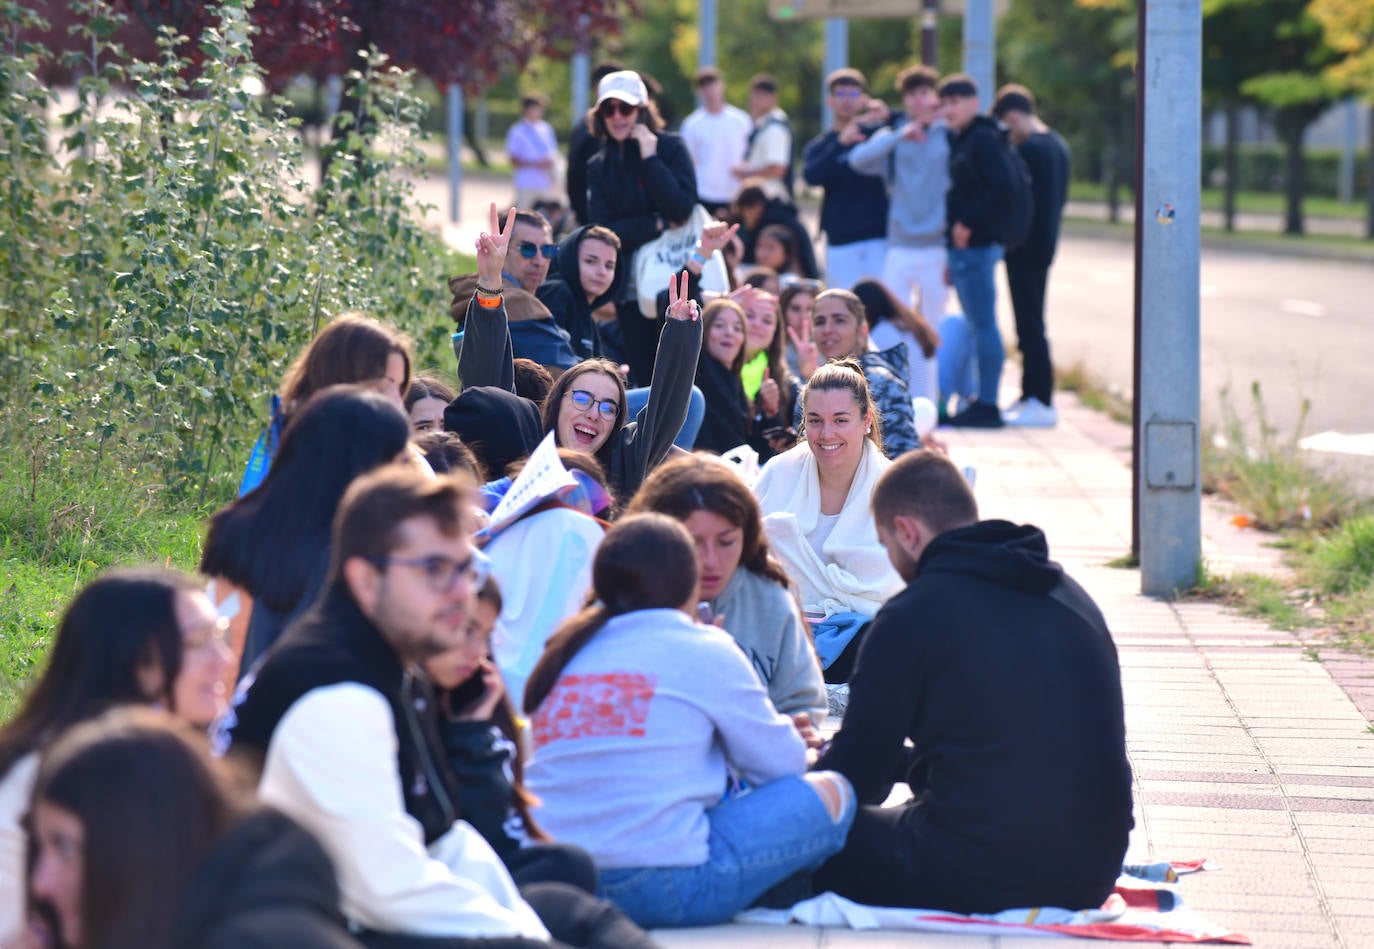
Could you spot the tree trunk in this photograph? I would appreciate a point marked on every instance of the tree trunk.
(1292, 129)
(1229, 166)
(470, 134)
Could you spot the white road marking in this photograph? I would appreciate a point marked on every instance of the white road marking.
(1340, 443)
(1302, 308)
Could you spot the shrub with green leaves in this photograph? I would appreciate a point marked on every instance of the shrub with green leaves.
(170, 259)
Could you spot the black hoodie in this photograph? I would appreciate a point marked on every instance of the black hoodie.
(981, 181)
(1001, 671)
(563, 294)
(267, 883)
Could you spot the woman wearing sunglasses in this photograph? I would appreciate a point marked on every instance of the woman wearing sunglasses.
(130, 637)
(640, 182)
(586, 406)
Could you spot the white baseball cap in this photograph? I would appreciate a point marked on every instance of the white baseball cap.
(624, 85)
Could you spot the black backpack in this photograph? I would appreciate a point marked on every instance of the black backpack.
(1016, 221)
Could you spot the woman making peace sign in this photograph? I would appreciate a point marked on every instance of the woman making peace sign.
(586, 406)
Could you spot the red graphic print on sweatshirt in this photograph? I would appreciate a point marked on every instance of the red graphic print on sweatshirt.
(598, 705)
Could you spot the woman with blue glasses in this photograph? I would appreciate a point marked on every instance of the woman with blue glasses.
(586, 407)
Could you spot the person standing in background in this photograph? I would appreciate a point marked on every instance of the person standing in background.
(533, 152)
(769, 157)
(854, 208)
(1028, 266)
(582, 145)
(717, 135)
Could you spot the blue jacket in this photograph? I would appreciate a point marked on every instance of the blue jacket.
(855, 206)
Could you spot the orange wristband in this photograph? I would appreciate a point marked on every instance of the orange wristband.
(488, 303)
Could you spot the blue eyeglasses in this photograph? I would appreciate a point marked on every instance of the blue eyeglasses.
(529, 248)
(582, 400)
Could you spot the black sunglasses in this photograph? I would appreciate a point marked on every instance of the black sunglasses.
(529, 248)
(611, 106)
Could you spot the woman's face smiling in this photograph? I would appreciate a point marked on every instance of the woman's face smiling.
(838, 333)
(726, 336)
(762, 324)
(586, 430)
(835, 428)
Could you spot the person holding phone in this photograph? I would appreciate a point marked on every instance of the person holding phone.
(640, 182)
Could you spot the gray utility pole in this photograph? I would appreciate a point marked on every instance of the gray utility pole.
(930, 33)
(1168, 497)
(980, 49)
(580, 78)
(706, 27)
(455, 149)
(836, 57)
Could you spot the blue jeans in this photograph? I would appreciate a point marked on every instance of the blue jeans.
(636, 399)
(954, 359)
(757, 840)
(973, 272)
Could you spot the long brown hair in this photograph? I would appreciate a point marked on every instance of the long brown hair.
(880, 304)
(683, 486)
(848, 375)
(121, 621)
(352, 348)
(713, 312)
(645, 562)
(152, 805)
(563, 385)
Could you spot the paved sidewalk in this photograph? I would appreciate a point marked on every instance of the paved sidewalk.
(1245, 751)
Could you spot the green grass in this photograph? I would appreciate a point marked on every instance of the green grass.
(1337, 246)
(1092, 391)
(1259, 202)
(1254, 594)
(1343, 561)
(58, 529)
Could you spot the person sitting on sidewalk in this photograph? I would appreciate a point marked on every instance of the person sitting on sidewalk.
(1001, 670)
(839, 323)
(640, 715)
(589, 274)
(814, 498)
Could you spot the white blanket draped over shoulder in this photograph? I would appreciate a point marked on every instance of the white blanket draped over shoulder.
(855, 575)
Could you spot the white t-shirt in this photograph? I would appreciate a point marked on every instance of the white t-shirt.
(825, 526)
(532, 141)
(718, 142)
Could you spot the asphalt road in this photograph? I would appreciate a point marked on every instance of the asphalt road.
(1303, 328)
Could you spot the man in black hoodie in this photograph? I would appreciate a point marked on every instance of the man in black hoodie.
(1001, 671)
(980, 196)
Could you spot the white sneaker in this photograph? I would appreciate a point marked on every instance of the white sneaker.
(1013, 410)
(1032, 414)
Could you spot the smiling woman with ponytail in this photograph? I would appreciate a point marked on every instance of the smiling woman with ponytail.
(639, 715)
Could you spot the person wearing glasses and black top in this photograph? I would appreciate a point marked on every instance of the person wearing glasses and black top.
(586, 407)
(331, 716)
(640, 182)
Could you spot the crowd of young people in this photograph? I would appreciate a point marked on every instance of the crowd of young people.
(462, 721)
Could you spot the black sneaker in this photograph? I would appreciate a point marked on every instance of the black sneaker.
(977, 415)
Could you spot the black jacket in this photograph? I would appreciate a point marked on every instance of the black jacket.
(1047, 159)
(981, 181)
(630, 194)
(335, 643)
(726, 422)
(563, 294)
(1001, 671)
(582, 145)
(268, 883)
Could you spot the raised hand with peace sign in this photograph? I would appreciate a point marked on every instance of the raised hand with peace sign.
(491, 250)
(680, 305)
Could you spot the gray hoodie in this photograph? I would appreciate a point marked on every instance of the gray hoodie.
(918, 175)
(765, 621)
